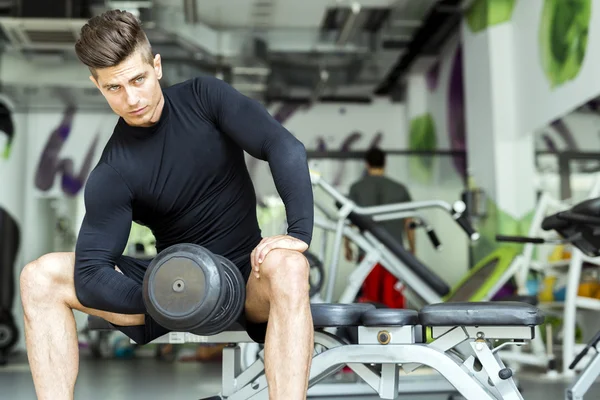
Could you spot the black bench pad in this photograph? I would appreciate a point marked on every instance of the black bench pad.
(390, 317)
(497, 313)
(324, 315)
(330, 315)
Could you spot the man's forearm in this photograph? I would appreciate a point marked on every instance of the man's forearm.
(410, 235)
(290, 172)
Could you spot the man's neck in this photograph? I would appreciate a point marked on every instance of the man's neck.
(376, 171)
(158, 111)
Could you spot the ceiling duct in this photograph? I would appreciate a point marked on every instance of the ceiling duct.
(41, 33)
(57, 9)
(38, 26)
(442, 19)
(349, 25)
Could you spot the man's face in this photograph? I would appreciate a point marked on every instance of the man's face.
(132, 89)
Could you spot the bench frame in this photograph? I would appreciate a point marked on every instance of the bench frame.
(473, 373)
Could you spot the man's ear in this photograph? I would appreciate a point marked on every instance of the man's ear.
(158, 66)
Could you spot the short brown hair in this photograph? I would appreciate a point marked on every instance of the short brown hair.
(109, 38)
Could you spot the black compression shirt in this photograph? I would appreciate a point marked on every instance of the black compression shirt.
(186, 179)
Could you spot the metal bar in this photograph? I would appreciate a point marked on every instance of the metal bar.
(361, 154)
(564, 171)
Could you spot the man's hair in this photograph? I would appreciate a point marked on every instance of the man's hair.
(375, 158)
(109, 38)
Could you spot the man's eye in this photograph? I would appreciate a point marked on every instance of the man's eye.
(140, 79)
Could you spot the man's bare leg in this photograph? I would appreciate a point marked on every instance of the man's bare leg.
(48, 298)
(281, 295)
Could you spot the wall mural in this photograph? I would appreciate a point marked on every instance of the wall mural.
(485, 13)
(7, 131)
(563, 38)
(50, 164)
(425, 135)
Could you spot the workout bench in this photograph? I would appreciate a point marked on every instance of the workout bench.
(390, 339)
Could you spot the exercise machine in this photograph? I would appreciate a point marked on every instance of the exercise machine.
(340, 216)
(422, 285)
(578, 389)
(578, 226)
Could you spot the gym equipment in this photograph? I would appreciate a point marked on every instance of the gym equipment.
(580, 227)
(391, 340)
(316, 273)
(9, 247)
(588, 376)
(186, 287)
(422, 286)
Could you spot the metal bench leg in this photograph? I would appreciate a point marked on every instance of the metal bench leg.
(587, 378)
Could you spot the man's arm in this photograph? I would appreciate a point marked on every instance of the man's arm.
(101, 241)
(352, 195)
(410, 235)
(250, 125)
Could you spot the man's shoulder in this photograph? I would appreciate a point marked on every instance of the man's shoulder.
(193, 84)
(104, 181)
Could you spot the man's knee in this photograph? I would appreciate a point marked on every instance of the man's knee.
(286, 270)
(41, 279)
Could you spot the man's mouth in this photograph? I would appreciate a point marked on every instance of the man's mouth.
(138, 111)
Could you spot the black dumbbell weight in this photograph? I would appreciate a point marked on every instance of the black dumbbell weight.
(182, 287)
(234, 291)
(187, 288)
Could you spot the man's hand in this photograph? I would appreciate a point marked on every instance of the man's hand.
(274, 242)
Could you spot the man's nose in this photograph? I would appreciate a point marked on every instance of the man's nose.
(132, 97)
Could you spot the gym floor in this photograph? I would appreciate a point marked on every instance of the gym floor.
(147, 378)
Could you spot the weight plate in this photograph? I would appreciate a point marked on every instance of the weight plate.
(182, 287)
(232, 308)
(315, 273)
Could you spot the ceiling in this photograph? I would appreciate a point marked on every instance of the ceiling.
(309, 50)
(277, 14)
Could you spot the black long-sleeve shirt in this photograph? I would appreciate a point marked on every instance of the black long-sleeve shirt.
(186, 179)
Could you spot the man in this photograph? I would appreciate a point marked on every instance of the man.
(175, 163)
(375, 189)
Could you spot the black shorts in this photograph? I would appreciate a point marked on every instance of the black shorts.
(136, 269)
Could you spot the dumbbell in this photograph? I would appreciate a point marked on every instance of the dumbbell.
(187, 288)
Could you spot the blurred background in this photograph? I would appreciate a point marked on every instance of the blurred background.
(490, 101)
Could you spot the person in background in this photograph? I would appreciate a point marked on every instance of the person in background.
(375, 189)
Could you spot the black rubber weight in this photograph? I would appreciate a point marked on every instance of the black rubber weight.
(326, 315)
(182, 287)
(234, 292)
